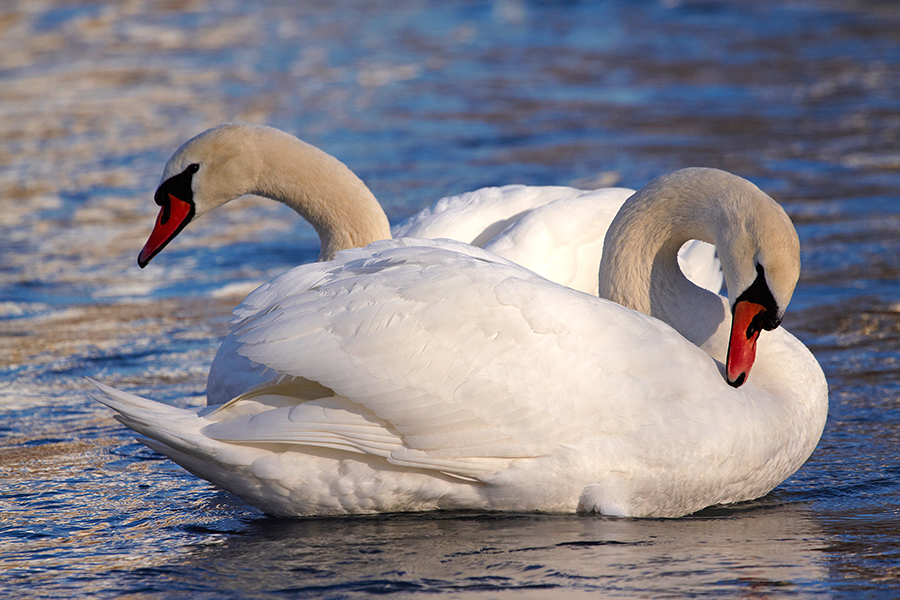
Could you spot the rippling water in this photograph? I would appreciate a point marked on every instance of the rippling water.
(423, 100)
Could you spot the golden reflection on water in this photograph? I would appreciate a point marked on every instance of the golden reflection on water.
(131, 531)
(88, 88)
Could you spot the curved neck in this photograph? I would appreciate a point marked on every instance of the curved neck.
(639, 267)
(326, 193)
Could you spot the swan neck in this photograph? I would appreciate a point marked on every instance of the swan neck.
(326, 193)
(639, 267)
(641, 246)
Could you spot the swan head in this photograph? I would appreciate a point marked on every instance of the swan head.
(760, 254)
(207, 171)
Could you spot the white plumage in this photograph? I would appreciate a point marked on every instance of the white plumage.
(555, 231)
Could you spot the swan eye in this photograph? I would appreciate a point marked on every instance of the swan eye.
(178, 186)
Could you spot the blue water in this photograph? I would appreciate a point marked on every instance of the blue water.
(424, 100)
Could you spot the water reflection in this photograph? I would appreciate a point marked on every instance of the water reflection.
(752, 551)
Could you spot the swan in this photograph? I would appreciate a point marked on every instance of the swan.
(555, 231)
(422, 374)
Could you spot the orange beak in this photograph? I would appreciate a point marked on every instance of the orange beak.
(745, 328)
(173, 216)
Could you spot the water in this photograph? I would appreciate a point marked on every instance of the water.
(423, 100)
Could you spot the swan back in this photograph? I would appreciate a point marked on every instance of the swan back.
(479, 216)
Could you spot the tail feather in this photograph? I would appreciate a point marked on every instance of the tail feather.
(175, 432)
(171, 427)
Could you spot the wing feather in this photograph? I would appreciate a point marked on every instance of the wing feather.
(459, 359)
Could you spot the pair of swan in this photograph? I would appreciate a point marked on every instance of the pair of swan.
(418, 374)
(555, 231)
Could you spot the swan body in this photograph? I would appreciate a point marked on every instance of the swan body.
(512, 392)
(555, 231)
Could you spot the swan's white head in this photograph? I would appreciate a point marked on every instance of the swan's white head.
(207, 171)
(760, 254)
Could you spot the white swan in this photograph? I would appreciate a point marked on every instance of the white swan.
(419, 374)
(555, 231)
